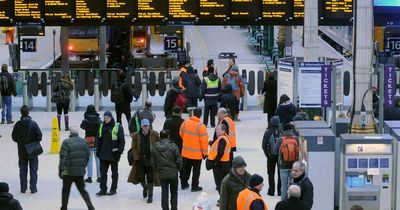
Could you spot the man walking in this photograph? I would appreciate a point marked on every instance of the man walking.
(74, 156)
(194, 149)
(7, 89)
(168, 162)
(145, 113)
(26, 131)
(209, 91)
(250, 198)
(293, 202)
(110, 146)
(301, 179)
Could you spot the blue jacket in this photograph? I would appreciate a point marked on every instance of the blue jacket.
(286, 112)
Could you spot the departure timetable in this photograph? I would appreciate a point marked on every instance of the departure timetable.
(120, 10)
(152, 9)
(58, 10)
(276, 9)
(214, 8)
(298, 9)
(89, 9)
(336, 12)
(182, 9)
(245, 9)
(5, 11)
(28, 10)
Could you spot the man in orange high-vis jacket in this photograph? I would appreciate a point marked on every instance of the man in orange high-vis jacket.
(219, 155)
(183, 70)
(9, 31)
(250, 198)
(224, 119)
(194, 149)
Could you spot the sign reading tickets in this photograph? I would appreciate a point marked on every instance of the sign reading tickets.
(390, 85)
(326, 74)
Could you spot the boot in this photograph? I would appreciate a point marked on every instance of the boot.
(150, 191)
(144, 185)
(66, 120)
(59, 122)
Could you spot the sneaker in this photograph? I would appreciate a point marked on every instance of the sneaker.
(150, 199)
(3, 121)
(185, 186)
(88, 180)
(101, 193)
(98, 179)
(112, 192)
(34, 191)
(10, 122)
(23, 191)
(197, 189)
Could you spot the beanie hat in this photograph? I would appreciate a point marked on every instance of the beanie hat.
(144, 122)
(108, 113)
(287, 126)
(4, 67)
(255, 180)
(238, 162)
(3, 187)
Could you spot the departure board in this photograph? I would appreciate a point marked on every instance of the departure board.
(120, 10)
(90, 10)
(182, 9)
(6, 11)
(152, 9)
(335, 12)
(28, 10)
(58, 10)
(245, 9)
(276, 10)
(215, 9)
(298, 11)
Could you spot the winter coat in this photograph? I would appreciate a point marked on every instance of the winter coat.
(307, 189)
(145, 113)
(273, 129)
(91, 122)
(286, 112)
(127, 93)
(12, 90)
(229, 101)
(7, 202)
(136, 140)
(270, 90)
(105, 145)
(65, 86)
(209, 94)
(74, 156)
(24, 127)
(234, 75)
(170, 100)
(292, 203)
(231, 186)
(173, 124)
(192, 83)
(167, 158)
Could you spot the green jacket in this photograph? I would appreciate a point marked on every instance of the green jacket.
(231, 186)
(74, 156)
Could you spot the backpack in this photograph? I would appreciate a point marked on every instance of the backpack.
(117, 95)
(180, 101)
(59, 96)
(4, 83)
(234, 83)
(289, 149)
(271, 144)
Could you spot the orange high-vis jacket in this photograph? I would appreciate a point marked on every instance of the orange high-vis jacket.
(180, 78)
(212, 154)
(194, 139)
(246, 197)
(232, 131)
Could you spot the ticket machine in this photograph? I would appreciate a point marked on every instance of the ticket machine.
(367, 174)
(310, 124)
(389, 125)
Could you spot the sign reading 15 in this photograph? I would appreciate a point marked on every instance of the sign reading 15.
(171, 43)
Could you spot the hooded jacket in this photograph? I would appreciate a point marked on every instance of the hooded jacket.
(171, 97)
(24, 127)
(91, 122)
(65, 86)
(192, 83)
(7, 202)
(210, 94)
(167, 158)
(273, 129)
(231, 186)
(74, 156)
(12, 90)
(286, 112)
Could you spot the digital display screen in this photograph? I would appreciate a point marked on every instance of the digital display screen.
(245, 9)
(28, 10)
(152, 9)
(384, 163)
(298, 10)
(387, 3)
(58, 10)
(373, 163)
(89, 9)
(352, 163)
(5, 11)
(120, 10)
(363, 163)
(216, 9)
(276, 10)
(335, 12)
(355, 180)
(182, 9)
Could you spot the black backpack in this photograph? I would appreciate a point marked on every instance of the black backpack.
(117, 95)
(4, 83)
(60, 96)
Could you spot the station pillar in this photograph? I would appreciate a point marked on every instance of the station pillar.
(311, 30)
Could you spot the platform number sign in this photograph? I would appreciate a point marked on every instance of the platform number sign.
(28, 45)
(171, 43)
(392, 44)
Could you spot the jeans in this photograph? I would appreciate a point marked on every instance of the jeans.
(6, 102)
(80, 184)
(104, 165)
(23, 173)
(286, 175)
(272, 162)
(171, 185)
(212, 111)
(90, 163)
(188, 164)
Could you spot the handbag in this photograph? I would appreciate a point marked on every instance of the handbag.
(130, 157)
(33, 149)
(260, 100)
(209, 164)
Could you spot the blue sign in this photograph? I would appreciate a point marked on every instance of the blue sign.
(326, 75)
(390, 85)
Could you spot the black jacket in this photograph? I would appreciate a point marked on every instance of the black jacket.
(210, 95)
(170, 100)
(7, 202)
(229, 101)
(107, 149)
(20, 135)
(12, 90)
(65, 86)
(286, 112)
(127, 93)
(292, 203)
(167, 158)
(173, 124)
(192, 83)
(74, 156)
(270, 91)
(91, 123)
(273, 129)
(231, 186)
(307, 189)
(392, 113)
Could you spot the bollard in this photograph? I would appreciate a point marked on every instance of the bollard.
(245, 94)
(97, 96)
(25, 92)
(144, 88)
(168, 82)
(48, 95)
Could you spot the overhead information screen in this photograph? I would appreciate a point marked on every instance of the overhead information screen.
(298, 12)
(214, 9)
(28, 10)
(276, 11)
(120, 10)
(57, 11)
(5, 11)
(245, 9)
(335, 12)
(182, 9)
(152, 9)
(89, 10)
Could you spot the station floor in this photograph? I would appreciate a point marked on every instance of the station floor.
(249, 131)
